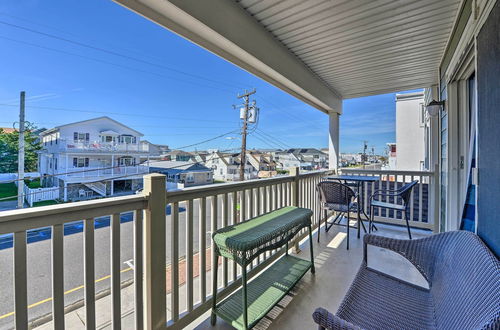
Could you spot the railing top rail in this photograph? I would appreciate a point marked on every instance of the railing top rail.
(386, 172)
(215, 189)
(43, 216)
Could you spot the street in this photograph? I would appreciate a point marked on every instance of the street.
(39, 264)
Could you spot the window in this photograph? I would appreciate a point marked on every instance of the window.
(80, 162)
(55, 163)
(127, 161)
(127, 139)
(107, 138)
(81, 137)
(189, 177)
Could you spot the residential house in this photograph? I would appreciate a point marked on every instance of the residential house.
(187, 174)
(177, 156)
(226, 167)
(315, 157)
(263, 162)
(155, 150)
(92, 158)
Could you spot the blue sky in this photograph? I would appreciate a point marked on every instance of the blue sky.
(82, 59)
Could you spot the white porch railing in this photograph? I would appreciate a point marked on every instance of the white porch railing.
(172, 252)
(423, 199)
(89, 172)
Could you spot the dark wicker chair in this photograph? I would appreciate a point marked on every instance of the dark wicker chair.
(464, 288)
(338, 197)
(404, 193)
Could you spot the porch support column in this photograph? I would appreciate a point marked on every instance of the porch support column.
(333, 141)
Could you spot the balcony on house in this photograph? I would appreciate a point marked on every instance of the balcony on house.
(322, 53)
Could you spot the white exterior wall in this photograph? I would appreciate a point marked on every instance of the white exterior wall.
(410, 132)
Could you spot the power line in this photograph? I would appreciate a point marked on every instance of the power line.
(205, 141)
(177, 79)
(112, 52)
(287, 146)
(113, 113)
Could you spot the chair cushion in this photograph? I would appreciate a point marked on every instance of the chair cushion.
(376, 301)
(388, 205)
(341, 207)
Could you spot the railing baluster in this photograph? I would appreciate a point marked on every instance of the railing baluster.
(189, 255)
(275, 197)
(411, 201)
(243, 205)
(58, 276)
(251, 206)
(20, 281)
(420, 201)
(174, 269)
(234, 220)
(202, 224)
(115, 272)
(213, 228)
(224, 208)
(89, 273)
(138, 269)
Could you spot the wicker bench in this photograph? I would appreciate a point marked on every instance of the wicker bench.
(464, 288)
(243, 243)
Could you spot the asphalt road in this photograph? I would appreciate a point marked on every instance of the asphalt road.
(39, 265)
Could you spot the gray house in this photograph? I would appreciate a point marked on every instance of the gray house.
(187, 173)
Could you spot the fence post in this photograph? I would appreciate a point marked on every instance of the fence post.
(434, 185)
(295, 172)
(154, 254)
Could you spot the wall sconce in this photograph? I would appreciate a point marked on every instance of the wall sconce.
(434, 107)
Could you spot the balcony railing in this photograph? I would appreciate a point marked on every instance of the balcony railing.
(98, 146)
(172, 253)
(104, 171)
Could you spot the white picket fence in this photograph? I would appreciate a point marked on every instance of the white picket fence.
(40, 194)
(32, 195)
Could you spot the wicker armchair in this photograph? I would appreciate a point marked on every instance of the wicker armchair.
(335, 196)
(404, 193)
(464, 288)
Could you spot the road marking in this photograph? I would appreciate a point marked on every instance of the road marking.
(66, 292)
(129, 263)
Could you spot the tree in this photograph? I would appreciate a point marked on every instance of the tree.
(9, 148)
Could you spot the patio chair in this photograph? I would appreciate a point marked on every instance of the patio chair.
(463, 287)
(404, 193)
(338, 197)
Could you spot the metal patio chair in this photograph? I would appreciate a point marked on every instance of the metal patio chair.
(338, 197)
(404, 193)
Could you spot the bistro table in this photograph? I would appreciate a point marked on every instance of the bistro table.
(359, 180)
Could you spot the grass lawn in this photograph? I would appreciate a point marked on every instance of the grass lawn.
(33, 184)
(45, 203)
(8, 190)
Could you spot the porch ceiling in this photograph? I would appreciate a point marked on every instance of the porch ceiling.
(318, 50)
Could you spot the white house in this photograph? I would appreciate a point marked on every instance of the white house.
(90, 158)
(226, 167)
(412, 132)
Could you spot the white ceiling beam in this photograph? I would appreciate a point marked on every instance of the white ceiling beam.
(227, 30)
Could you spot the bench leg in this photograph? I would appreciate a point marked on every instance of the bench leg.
(313, 270)
(213, 317)
(244, 291)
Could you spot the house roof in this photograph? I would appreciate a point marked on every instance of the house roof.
(7, 130)
(56, 128)
(180, 166)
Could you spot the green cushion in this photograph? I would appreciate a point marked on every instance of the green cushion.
(253, 233)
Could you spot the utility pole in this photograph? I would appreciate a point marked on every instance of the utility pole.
(244, 116)
(20, 157)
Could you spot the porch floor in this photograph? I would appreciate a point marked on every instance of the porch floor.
(335, 270)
